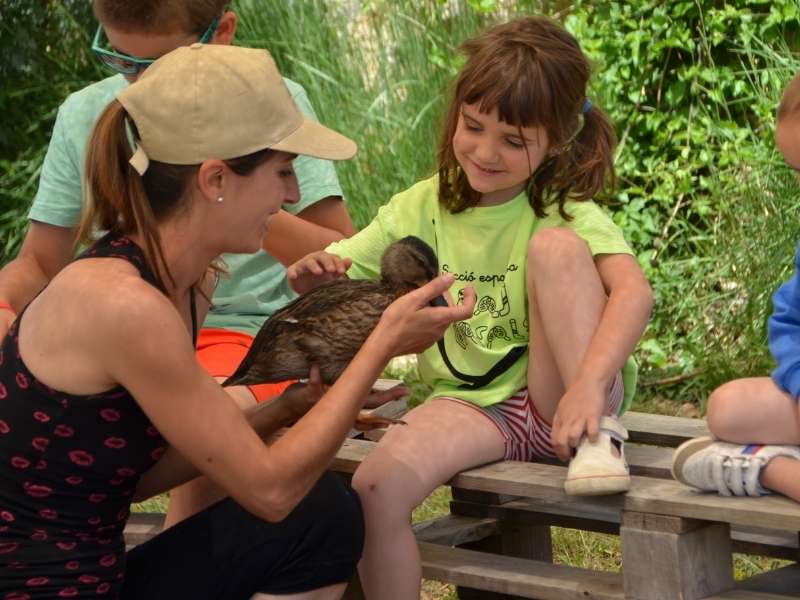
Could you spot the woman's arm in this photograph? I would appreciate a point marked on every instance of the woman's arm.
(174, 469)
(193, 412)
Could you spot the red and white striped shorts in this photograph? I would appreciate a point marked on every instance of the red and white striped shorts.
(526, 433)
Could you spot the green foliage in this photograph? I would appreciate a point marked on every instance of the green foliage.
(44, 55)
(379, 75)
(692, 87)
(674, 77)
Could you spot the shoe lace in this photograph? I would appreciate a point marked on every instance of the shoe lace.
(737, 475)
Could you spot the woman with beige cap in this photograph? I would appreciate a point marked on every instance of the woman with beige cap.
(102, 401)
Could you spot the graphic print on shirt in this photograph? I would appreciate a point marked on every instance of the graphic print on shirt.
(495, 305)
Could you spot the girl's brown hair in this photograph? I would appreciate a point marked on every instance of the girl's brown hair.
(159, 16)
(121, 201)
(790, 99)
(535, 74)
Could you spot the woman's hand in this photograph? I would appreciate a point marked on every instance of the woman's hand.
(380, 397)
(410, 325)
(301, 396)
(315, 269)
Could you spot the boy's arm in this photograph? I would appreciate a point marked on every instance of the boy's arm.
(45, 251)
(320, 217)
(56, 209)
(291, 237)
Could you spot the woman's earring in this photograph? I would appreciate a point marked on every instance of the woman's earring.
(220, 198)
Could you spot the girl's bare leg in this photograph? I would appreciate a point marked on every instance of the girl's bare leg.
(566, 300)
(756, 411)
(442, 438)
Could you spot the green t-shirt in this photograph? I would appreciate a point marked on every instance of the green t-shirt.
(486, 247)
(257, 285)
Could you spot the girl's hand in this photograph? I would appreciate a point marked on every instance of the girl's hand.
(314, 269)
(410, 325)
(578, 413)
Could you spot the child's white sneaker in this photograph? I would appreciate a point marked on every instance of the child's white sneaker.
(729, 469)
(596, 469)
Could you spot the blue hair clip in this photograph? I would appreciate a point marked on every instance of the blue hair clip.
(587, 105)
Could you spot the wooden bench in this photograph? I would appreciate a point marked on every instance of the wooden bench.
(676, 544)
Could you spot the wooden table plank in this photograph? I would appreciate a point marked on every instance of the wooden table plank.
(784, 582)
(546, 483)
(661, 430)
(455, 530)
(516, 576)
(672, 498)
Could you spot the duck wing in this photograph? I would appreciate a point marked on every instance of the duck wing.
(326, 327)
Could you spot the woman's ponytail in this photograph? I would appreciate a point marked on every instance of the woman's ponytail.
(115, 196)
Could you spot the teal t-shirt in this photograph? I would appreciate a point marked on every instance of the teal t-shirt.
(257, 284)
(487, 248)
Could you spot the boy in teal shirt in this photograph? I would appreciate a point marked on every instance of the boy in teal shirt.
(131, 36)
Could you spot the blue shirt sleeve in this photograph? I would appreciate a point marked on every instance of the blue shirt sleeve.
(784, 334)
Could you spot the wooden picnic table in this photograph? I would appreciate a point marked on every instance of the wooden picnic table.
(676, 543)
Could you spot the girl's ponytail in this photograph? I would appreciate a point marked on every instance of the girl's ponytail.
(586, 163)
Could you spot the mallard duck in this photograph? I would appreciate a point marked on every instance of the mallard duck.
(329, 324)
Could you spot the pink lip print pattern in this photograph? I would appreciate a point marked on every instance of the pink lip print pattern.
(75, 462)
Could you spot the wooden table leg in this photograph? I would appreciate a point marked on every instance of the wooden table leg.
(672, 558)
(515, 539)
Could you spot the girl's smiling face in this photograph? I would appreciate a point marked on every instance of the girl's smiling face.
(496, 157)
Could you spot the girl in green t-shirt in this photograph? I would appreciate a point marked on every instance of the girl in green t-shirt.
(538, 370)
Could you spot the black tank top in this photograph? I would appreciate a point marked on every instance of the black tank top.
(69, 466)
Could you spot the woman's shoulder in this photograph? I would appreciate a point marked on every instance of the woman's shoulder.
(112, 291)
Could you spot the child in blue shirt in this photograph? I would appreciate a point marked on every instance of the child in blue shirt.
(757, 420)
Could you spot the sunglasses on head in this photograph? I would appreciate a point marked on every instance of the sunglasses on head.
(130, 65)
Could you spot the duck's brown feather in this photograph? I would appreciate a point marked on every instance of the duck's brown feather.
(328, 325)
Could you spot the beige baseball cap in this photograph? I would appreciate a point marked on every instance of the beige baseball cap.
(217, 101)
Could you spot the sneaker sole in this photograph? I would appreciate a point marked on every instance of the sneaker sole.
(597, 486)
(684, 452)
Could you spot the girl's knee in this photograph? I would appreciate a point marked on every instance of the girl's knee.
(372, 483)
(385, 488)
(552, 246)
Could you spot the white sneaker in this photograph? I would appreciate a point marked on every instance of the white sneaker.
(729, 469)
(595, 469)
